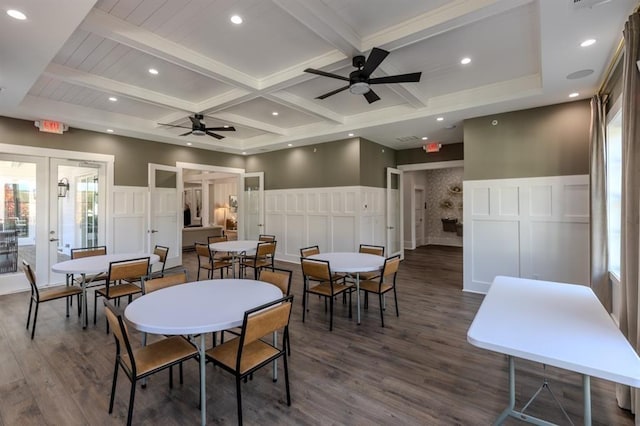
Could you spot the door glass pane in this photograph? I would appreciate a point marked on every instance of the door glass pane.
(252, 207)
(17, 215)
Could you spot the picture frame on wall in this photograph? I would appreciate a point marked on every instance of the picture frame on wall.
(233, 203)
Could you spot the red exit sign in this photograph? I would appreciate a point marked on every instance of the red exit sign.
(432, 147)
(50, 126)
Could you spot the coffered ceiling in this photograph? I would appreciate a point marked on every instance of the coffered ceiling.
(68, 58)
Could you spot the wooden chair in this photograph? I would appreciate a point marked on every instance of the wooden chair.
(145, 361)
(244, 355)
(207, 262)
(327, 286)
(40, 296)
(385, 283)
(162, 252)
(371, 249)
(264, 257)
(159, 283)
(266, 237)
(120, 279)
(281, 278)
(219, 255)
(309, 251)
(91, 280)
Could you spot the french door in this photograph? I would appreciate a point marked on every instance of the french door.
(165, 211)
(252, 207)
(395, 238)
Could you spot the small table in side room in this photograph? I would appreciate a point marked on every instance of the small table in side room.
(93, 265)
(352, 263)
(197, 308)
(557, 324)
(236, 248)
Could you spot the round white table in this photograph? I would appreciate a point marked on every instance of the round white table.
(236, 248)
(93, 265)
(197, 308)
(352, 263)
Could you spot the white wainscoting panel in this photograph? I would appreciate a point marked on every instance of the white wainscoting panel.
(532, 228)
(335, 219)
(129, 217)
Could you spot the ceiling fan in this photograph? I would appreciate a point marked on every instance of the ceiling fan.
(359, 81)
(198, 127)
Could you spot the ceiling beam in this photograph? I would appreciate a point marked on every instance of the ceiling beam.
(247, 122)
(304, 105)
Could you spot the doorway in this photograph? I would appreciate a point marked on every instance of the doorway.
(419, 208)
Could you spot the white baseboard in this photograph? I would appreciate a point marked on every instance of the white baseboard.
(452, 242)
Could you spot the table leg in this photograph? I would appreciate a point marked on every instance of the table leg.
(586, 396)
(83, 308)
(358, 296)
(203, 382)
(512, 393)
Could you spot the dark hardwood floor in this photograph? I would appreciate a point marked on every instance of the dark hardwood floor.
(418, 370)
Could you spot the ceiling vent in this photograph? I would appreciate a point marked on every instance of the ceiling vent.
(581, 4)
(408, 139)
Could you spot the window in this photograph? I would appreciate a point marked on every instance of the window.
(614, 189)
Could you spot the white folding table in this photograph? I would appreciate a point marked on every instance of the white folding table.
(557, 324)
(236, 248)
(352, 263)
(197, 308)
(93, 265)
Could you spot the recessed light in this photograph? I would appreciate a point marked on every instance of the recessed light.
(109, 130)
(113, 98)
(440, 119)
(424, 138)
(189, 144)
(226, 126)
(588, 42)
(236, 19)
(244, 152)
(574, 95)
(351, 134)
(289, 144)
(16, 14)
(153, 71)
(465, 61)
(274, 113)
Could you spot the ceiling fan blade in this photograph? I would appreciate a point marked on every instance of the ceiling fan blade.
(215, 135)
(371, 96)
(195, 121)
(373, 61)
(222, 129)
(187, 133)
(326, 74)
(326, 95)
(401, 78)
(172, 125)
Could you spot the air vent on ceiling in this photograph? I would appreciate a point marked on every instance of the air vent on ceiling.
(408, 139)
(581, 4)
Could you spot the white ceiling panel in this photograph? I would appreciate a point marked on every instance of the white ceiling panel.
(521, 52)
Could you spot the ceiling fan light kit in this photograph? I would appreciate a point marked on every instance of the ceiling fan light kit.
(360, 80)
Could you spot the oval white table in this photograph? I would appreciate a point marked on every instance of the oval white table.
(236, 248)
(352, 263)
(197, 308)
(93, 265)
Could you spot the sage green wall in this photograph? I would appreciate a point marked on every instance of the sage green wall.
(448, 152)
(545, 141)
(314, 166)
(374, 160)
(131, 155)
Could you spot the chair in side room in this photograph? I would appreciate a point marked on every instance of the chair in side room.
(370, 249)
(163, 253)
(385, 283)
(327, 286)
(248, 353)
(145, 361)
(207, 262)
(122, 274)
(40, 296)
(264, 258)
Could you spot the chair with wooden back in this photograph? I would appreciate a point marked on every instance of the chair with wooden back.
(220, 255)
(309, 251)
(207, 261)
(281, 278)
(264, 258)
(159, 283)
(244, 355)
(385, 283)
(266, 237)
(328, 286)
(90, 280)
(371, 249)
(120, 279)
(163, 253)
(40, 296)
(145, 361)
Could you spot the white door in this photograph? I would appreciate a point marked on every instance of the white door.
(251, 209)
(418, 214)
(395, 240)
(165, 212)
(77, 208)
